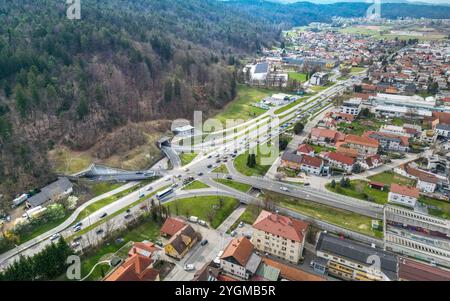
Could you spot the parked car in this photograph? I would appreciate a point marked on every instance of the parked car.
(233, 233)
(241, 224)
(193, 219)
(189, 267)
(202, 223)
(204, 242)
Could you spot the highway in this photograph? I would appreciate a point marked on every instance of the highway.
(240, 142)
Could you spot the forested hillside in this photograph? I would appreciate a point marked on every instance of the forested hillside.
(95, 83)
(70, 82)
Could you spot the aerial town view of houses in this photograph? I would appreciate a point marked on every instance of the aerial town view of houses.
(358, 114)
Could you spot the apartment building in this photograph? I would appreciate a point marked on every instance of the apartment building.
(389, 142)
(349, 260)
(417, 235)
(280, 236)
(351, 106)
(365, 146)
(404, 195)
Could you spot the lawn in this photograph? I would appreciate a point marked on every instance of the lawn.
(249, 216)
(104, 187)
(342, 218)
(356, 69)
(204, 207)
(41, 229)
(187, 158)
(195, 185)
(436, 207)
(263, 162)
(321, 88)
(361, 125)
(221, 169)
(147, 230)
(300, 77)
(241, 107)
(360, 190)
(235, 185)
(319, 148)
(389, 177)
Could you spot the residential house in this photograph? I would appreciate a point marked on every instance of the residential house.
(290, 160)
(364, 145)
(311, 165)
(389, 142)
(51, 193)
(340, 161)
(349, 260)
(426, 182)
(326, 135)
(181, 242)
(346, 151)
(239, 258)
(135, 268)
(370, 162)
(280, 236)
(171, 226)
(209, 272)
(403, 195)
(305, 149)
(145, 248)
(288, 272)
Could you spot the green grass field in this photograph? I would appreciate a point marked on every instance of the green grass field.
(235, 185)
(263, 162)
(104, 187)
(322, 88)
(360, 190)
(221, 169)
(300, 77)
(187, 158)
(203, 208)
(292, 104)
(389, 177)
(195, 185)
(249, 216)
(345, 219)
(241, 107)
(356, 69)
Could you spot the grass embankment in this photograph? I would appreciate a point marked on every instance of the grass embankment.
(249, 216)
(235, 185)
(342, 218)
(187, 158)
(195, 185)
(241, 107)
(264, 159)
(213, 209)
(291, 105)
(221, 169)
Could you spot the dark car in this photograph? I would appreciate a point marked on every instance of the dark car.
(98, 232)
(209, 166)
(103, 215)
(200, 174)
(204, 242)
(229, 177)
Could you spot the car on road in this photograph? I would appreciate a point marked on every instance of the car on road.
(200, 174)
(75, 245)
(186, 169)
(204, 242)
(55, 236)
(167, 179)
(98, 232)
(189, 267)
(128, 216)
(103, 215)
(306, 184)
(149, 188)
(209, 166)
(209, 157)
(175, 185)
(229, 177)
(76, 229)
(283, 188)
(79, 224)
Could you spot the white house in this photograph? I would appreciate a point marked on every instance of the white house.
(351, 106)
(403, 195)
(239, 258)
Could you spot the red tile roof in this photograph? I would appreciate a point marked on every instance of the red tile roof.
(311, 161)
(171, 226)
(405, 190)
(324, 133)
(305, 148)
(341, 158)
(421, 175)
(292, 273)
(134, 268)
(145, 249)
(240, 249)
(283, 226)
(369, 142)
(347, 151)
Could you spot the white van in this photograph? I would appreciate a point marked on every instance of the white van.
(193, 219)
